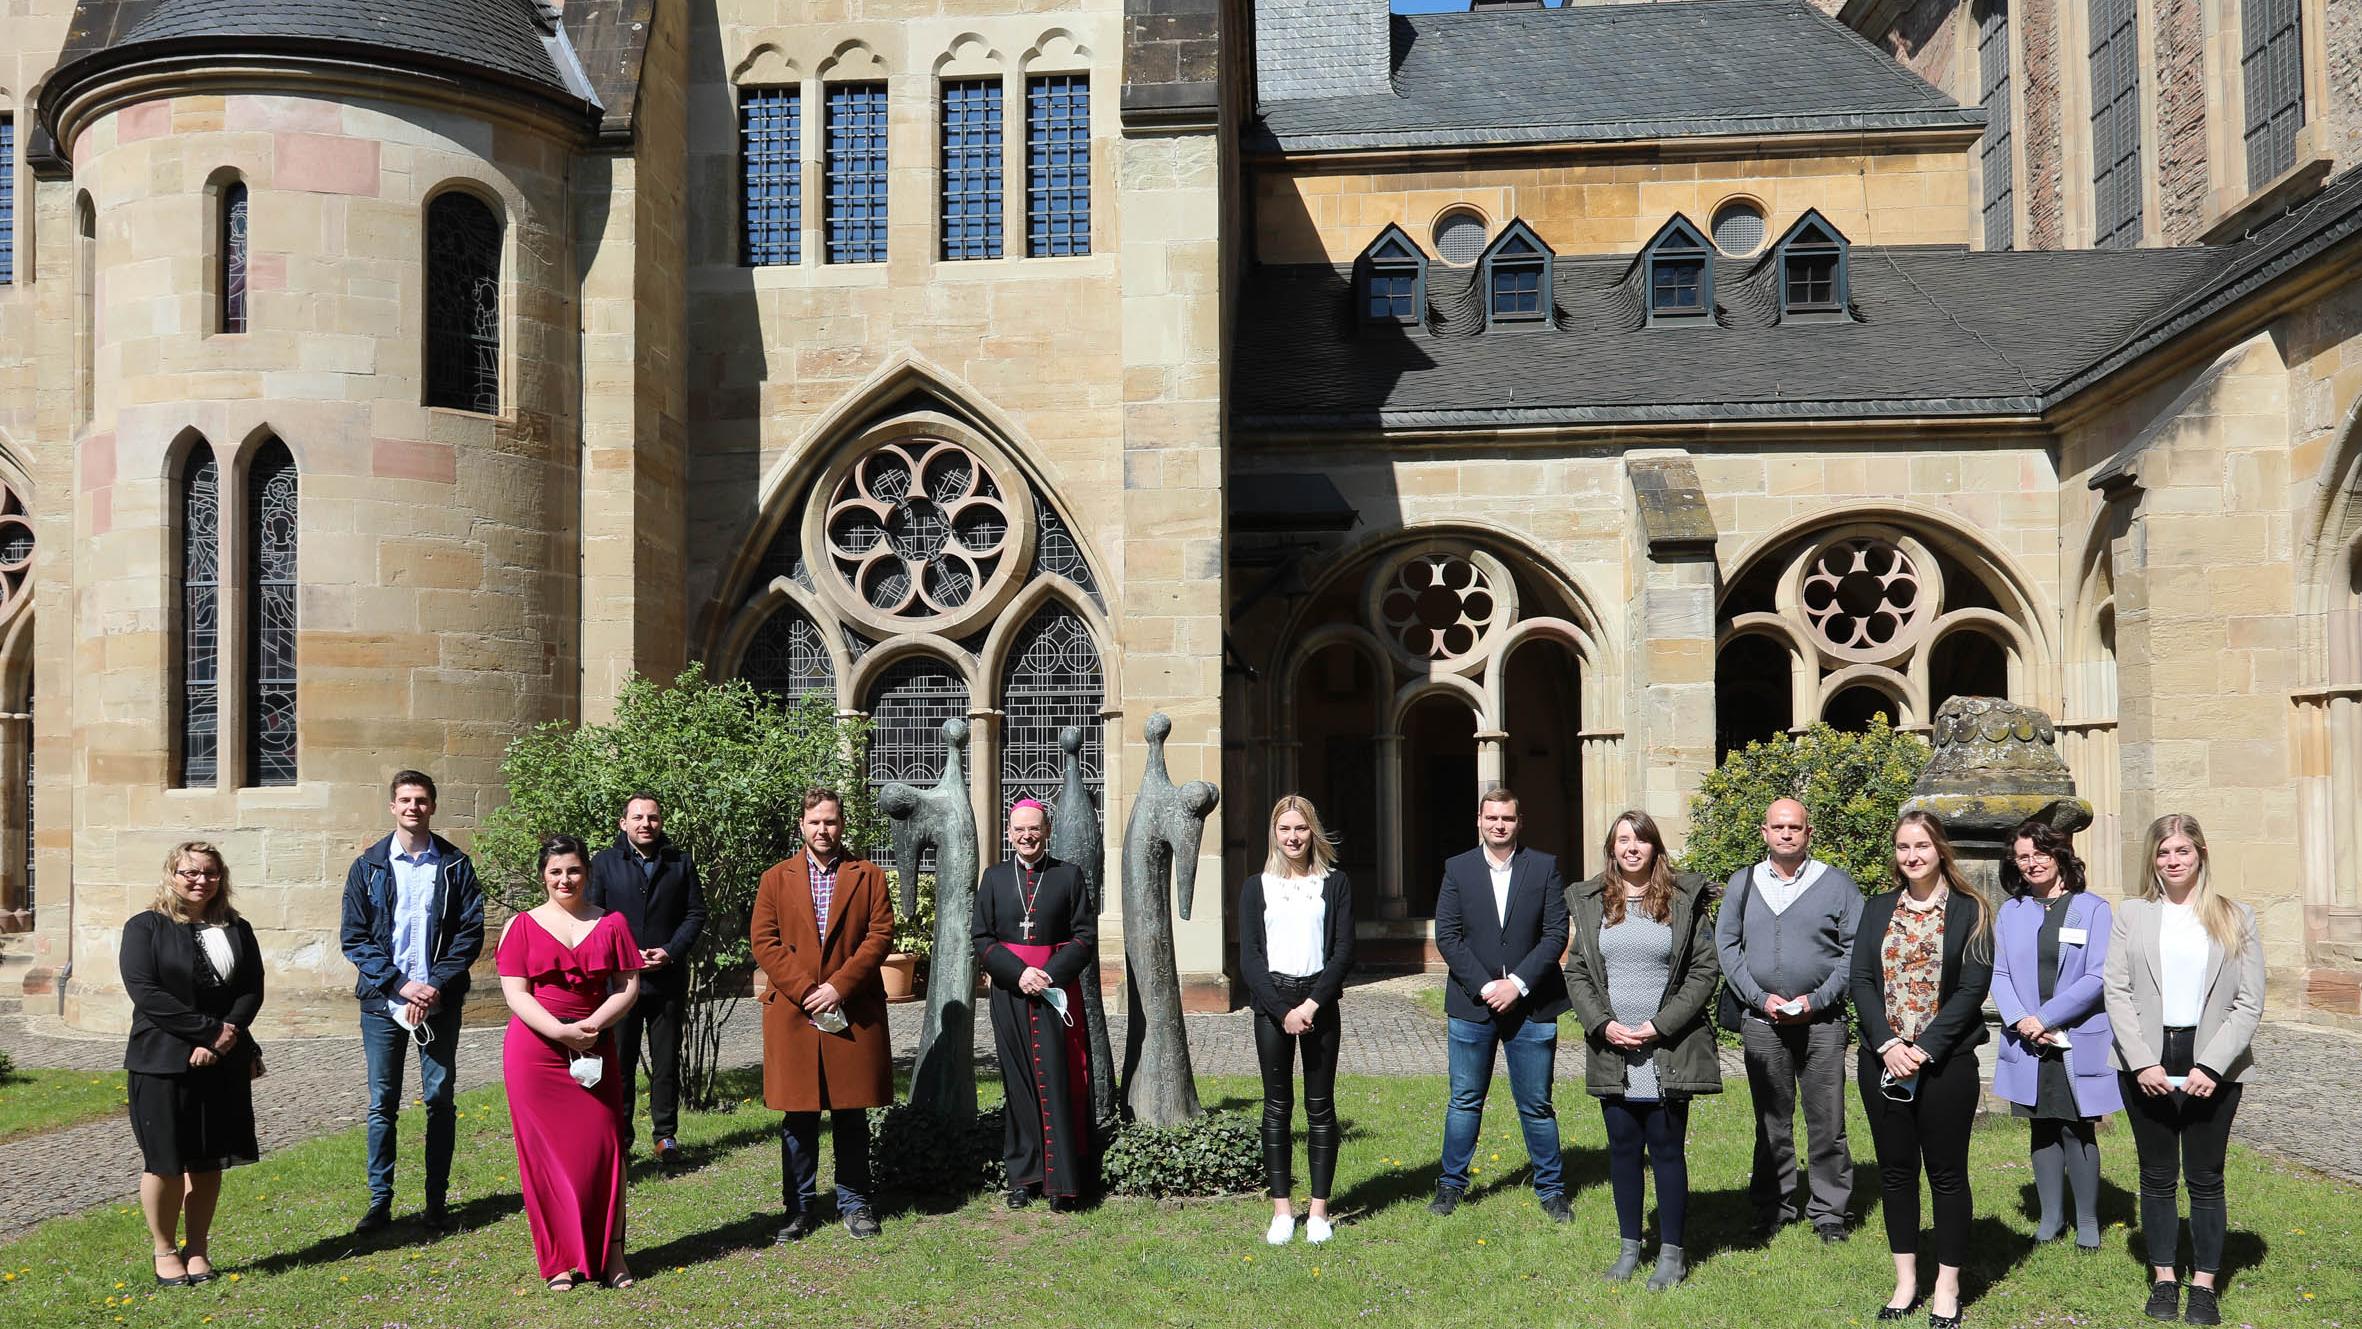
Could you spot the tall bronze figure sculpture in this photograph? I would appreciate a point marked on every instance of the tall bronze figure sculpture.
(1076, 837)
(1160, 847)
(943, 1079)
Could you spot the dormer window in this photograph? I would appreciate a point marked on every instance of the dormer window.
(1517, 276)
(1812, 269)
(1680, 274)
(1392, 276)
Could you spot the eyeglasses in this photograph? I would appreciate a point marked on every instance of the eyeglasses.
(198, 874)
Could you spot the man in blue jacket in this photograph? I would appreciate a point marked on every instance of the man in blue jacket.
(653, 883)
(413, 923)
(1501, 926)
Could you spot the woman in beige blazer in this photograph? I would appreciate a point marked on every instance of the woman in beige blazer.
(2185, 991)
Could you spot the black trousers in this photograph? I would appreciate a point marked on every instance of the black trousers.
(2180, 1140)
(656, 1017)
(1930, 1131)
(1276, 1050)
(1643, 1137)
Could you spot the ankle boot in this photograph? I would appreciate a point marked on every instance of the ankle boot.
(1671, 1269)
(1627, 1262)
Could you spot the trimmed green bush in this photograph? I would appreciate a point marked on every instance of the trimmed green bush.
(1851, 785)
(916, 1152)
(1219, 1153)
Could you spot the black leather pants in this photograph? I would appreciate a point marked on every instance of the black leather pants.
(1276, 1050)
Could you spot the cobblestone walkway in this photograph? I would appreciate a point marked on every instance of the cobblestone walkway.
(317, 1086)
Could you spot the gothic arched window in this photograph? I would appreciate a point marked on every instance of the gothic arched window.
(788, 657)
(907, 706)
(200, 618)
(1052, 680)
(462, 304)
(270, 616)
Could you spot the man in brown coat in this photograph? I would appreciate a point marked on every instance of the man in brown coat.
(822, 924)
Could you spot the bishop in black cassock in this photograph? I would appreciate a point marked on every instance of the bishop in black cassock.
(1035, 934)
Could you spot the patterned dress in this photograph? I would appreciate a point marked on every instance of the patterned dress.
(1638, 955)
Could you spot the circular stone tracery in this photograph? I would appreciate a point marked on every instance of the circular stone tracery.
(1442, 606)
(16, 554)
(1865, 599)
(921, 532)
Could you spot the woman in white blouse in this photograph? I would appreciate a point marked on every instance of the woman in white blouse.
(1295, 943)
(2184, 991)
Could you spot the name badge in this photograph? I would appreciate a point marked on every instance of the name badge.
(2075, 936)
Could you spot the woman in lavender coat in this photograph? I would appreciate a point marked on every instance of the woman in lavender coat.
(2050, 948)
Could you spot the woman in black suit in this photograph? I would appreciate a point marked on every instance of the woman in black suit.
(1922, 962)
(1295, 942)
(194, 975)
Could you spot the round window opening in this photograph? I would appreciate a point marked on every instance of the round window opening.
(1863, 597)
(1459, 237)
(1738, 227)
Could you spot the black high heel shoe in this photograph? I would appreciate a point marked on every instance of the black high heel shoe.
(1898, 1312)
(1952, 1321)
(194, 1278)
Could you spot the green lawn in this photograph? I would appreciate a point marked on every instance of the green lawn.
(702, 1245)
(45, 1100)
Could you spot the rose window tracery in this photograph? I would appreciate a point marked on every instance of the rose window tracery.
(1442, 607)
(1866, 599)
(917, 528)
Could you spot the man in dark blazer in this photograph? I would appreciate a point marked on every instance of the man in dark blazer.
(1500, 924)
(413, 923)
(653, 883)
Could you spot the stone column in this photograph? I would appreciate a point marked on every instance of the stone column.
(1491, 760)
(1673, 622)
(1393, 898)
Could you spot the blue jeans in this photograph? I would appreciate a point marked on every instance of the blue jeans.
(1530, 1051)
(799, 1159)
(382, 1044)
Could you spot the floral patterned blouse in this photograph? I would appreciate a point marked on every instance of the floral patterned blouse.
(1912, 955)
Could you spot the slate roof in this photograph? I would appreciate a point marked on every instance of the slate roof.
(1604, 73)
(1932, 332)
(521, 44)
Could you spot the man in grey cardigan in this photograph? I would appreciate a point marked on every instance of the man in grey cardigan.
(1786, 931)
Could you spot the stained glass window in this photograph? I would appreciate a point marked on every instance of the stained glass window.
(1052, 680)
(233, 257)
(972, 169)
(2272, 66)
(856, 173)
(1058, 165)
(270, 618)
(2115, 123)
(1995, 151)
(462, 304)
(788, 657)
(907, 707)
(200, 619)
(771, 138)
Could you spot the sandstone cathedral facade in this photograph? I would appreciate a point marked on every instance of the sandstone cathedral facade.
(1398, 402)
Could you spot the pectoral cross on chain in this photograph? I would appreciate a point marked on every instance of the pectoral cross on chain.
(1027, 928)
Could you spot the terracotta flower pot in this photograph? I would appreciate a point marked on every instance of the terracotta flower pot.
(900, 973)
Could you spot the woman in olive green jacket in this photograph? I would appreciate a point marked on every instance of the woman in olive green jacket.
(1641, 975)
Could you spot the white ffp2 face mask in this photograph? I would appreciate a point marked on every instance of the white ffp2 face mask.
(587, 1071)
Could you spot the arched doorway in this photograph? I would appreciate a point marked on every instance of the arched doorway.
(1542, 745)
(1339, 712)
(1439, 792)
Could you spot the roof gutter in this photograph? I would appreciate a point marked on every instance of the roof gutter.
(1340, 149)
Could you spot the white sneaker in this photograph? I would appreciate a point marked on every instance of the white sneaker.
(1316, 1229)
(1283, 1229)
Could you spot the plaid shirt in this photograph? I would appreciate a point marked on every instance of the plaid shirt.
(824, 891)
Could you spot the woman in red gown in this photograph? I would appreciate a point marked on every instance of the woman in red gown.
(567, 970)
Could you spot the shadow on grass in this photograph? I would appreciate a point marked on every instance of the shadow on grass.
(404, 1232)
(2242, 1251)
(751, 1232)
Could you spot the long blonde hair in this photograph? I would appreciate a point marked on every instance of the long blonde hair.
(2218, 912)
(169, 901)
(1656, 900)
(1320, 852)
(1980, 939)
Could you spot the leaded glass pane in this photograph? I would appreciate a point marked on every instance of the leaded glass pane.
(1053, 680)
(270, 719)
(972, 169)
(233, 258)
(1459, 238)
(907, 707)
(1058, 165)
(463, 305)
(1995, 152)
(856, 173)
(771, 139)
(200, 617)
(1056, 550)
(2272, 64)
(788, 658)
(2115, 123)
(7, 200)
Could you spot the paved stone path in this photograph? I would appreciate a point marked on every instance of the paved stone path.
(317, 1086)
